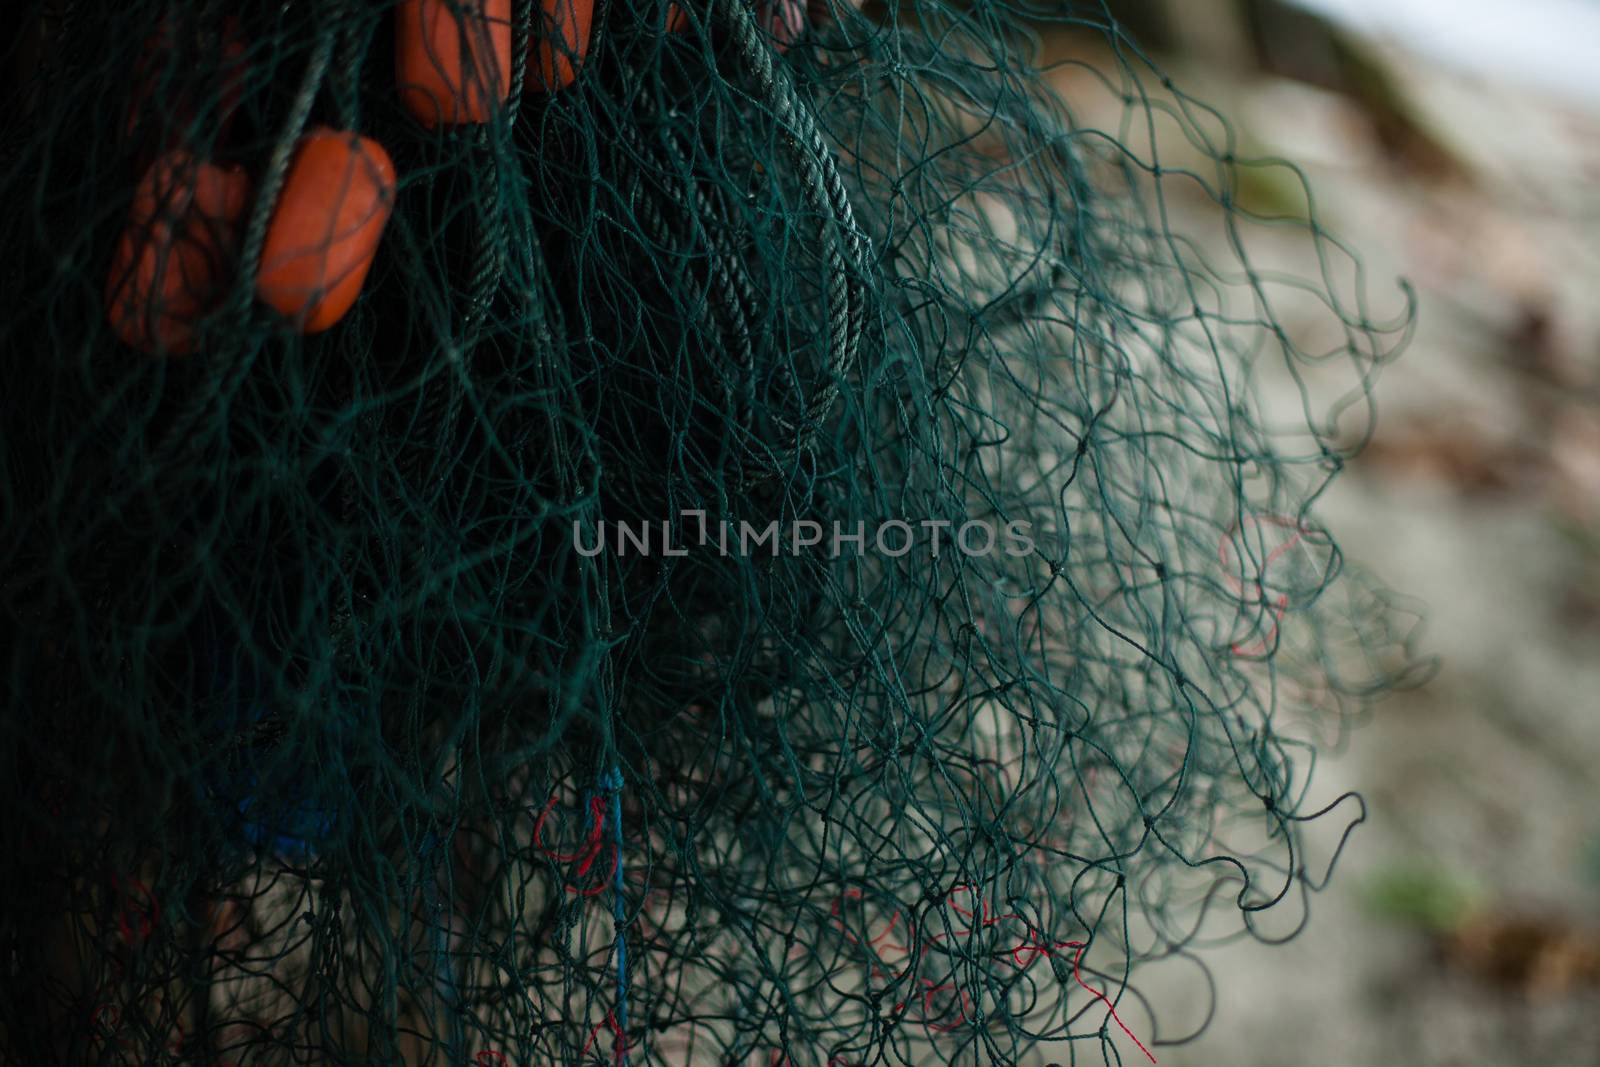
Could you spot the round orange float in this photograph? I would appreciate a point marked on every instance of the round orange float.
(453, 60)
(173, 262)
(326, 227)
(560, 43)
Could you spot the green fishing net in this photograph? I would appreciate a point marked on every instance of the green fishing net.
(802, 550)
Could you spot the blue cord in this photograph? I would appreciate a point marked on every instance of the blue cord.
(434, 858)
(611, 784)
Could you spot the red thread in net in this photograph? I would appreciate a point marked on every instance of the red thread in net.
(619, 1042)
(1078, 976)
(1281, 603)
(593, 843)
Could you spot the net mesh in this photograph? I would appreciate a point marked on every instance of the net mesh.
(785, 561)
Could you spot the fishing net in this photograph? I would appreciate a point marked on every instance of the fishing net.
(784, 559)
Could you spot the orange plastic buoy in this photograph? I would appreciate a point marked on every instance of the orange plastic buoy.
(326, 226)
(453, 60)
(173, 262)
(560, 43)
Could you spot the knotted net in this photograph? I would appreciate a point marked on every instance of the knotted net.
(785, 561)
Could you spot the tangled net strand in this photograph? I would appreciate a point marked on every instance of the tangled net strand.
(329, 740)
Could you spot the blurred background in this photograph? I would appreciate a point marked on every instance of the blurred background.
(1456, 144)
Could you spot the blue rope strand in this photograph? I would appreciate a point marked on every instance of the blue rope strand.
(435, 857)
(611, 784)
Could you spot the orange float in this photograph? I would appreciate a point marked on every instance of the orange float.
(326, 227)
(453, 60)
(173, 262)
(560, 43)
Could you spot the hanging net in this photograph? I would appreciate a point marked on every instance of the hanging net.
(662, 533)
